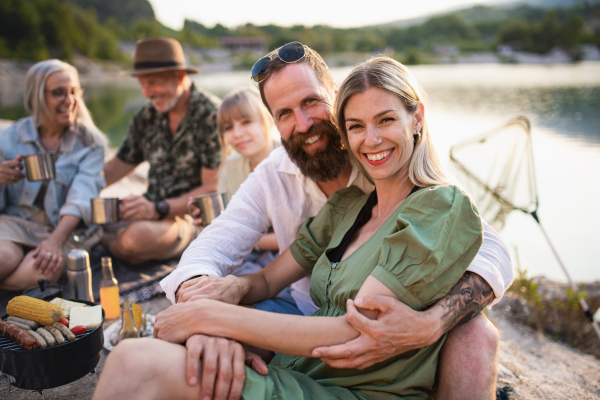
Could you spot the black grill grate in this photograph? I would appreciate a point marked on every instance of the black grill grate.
(8, 344)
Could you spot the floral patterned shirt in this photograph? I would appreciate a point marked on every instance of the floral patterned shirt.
(176, 160)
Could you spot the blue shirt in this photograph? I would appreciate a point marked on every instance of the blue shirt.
(78, 173)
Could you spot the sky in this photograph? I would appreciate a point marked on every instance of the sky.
(348, 13)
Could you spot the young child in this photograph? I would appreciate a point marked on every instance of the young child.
(245, 126)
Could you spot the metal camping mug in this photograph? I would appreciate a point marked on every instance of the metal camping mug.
(80, 275)
(105, 211)
(40, 167)
(210, 205)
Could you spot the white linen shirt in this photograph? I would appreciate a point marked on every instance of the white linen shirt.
(277, 194)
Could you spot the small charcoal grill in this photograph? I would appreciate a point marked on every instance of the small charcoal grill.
(53, 366)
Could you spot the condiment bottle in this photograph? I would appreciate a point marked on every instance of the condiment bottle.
(80, 275)
(109, 290)
(128, 329)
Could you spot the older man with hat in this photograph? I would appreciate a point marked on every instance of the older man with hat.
(176, 132)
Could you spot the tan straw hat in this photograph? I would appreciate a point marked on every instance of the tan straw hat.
(158, 55)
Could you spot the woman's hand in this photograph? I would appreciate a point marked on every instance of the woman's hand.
(48, 256)
(178, 322)
(10, 171)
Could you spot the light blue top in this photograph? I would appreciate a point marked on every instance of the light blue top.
(78, 173)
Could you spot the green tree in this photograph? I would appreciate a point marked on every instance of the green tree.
(20, 31)
(571, 31)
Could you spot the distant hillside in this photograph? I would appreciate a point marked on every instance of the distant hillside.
(527, 10)
(124, 12)
(543, 3)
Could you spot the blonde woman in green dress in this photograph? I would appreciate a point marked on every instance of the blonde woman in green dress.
(411, 239)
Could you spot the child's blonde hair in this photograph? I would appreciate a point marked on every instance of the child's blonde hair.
(243, 103)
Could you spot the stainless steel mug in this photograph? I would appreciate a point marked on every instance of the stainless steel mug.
(79, 274)
(40, 167)
(210, 205)
(105, 211)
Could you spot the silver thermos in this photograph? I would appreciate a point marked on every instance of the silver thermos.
(80, 275)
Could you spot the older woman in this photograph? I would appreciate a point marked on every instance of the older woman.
(36, 218)
(411, 239)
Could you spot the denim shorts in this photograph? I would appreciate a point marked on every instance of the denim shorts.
(284, 303)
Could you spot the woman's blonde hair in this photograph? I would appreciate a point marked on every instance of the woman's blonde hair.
(35, 97)
(425, 168)
(243, 103)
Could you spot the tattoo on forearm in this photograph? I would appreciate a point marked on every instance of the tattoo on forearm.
(466, 299)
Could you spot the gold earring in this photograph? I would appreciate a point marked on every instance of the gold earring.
(417, 137)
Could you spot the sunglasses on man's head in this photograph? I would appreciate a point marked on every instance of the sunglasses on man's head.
(289, 53)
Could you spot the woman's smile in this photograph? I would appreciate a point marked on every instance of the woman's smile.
(378, 158)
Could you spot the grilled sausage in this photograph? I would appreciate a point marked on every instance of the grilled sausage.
(60, 339)
(28, 322)
(39, 338)
(47, 336)
(65, 331)
(22, 326)
(19, 335)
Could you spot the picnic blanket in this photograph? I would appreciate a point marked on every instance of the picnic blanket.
(136, 282)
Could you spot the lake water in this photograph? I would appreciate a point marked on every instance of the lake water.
(562, 102)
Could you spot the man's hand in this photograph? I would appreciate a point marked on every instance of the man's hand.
(194, 211)
(397, 329)
(229, 289)
(135, 208)
(222, 360)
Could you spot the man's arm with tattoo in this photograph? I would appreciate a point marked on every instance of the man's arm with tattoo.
(466, 300)
(399, 328)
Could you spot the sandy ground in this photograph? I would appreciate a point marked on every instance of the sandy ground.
(534, 366)
(538, 368)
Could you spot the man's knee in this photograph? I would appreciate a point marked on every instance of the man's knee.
(477, 334)
(129, 357)
(467, 367)
(130, 243)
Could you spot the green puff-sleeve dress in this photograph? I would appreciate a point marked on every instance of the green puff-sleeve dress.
(419, 253)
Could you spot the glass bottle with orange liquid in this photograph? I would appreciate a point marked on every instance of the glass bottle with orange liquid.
(109, 291)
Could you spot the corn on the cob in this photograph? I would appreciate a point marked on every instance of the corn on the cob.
(137, 312)
(40, 311)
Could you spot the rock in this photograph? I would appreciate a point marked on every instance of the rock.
(538, 368)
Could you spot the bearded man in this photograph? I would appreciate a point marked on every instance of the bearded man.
(286, 189)
(176, 132)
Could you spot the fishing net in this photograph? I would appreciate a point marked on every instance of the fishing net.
(497, 170)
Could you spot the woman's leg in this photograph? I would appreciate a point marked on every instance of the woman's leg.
(145, 369)
(11, 255)
(26, 275)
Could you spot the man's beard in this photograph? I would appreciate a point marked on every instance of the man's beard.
(169, 104)
(324, 165)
